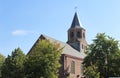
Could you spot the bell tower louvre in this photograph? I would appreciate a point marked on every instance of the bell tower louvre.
(76, 35)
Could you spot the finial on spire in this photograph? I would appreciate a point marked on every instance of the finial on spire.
(76, 8)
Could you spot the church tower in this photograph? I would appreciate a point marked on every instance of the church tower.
(76, 35)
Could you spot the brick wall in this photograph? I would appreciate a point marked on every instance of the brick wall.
(66, 66)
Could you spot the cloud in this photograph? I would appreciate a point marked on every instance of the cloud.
(22, 32)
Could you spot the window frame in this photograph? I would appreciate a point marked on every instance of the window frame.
(78, 34)
(71, 34)
(72, 67)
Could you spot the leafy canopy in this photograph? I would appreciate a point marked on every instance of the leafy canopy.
(2, 59)
(13, 65)
(103, 56)
(43, 60)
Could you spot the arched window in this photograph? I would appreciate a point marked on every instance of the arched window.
(72, 67)
(78, 34)
(71, 34)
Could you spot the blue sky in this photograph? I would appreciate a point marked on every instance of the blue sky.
(22, 21)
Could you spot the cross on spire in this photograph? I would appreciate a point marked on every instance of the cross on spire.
(76, 8)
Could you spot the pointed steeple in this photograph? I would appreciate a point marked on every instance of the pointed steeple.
(76, 35)
(75, 22)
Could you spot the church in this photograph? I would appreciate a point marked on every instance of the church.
(74, 50)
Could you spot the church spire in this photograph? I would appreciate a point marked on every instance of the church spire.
(75, 22)
(76, 35)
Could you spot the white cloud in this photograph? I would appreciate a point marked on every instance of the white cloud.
(19, 32)
(23, 32)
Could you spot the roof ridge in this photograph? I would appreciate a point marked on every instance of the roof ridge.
(67, 48)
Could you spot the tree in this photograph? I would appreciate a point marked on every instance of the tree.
(91, 72)
(43, 60)
(104, 55)
(13, 65)
(2, 59)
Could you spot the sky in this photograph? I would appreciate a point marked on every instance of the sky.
(23, 21)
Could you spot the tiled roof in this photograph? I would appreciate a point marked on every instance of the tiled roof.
(68, 50)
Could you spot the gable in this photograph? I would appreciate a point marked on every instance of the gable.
(67, 49)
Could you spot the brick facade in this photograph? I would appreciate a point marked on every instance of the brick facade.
(65, 70)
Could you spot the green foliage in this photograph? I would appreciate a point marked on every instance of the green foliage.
(2, 59)
(43, 60)
(91, 71)
(104, 54)
(13, 65)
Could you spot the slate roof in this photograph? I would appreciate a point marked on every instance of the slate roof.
(75, 22)
(68, 50)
